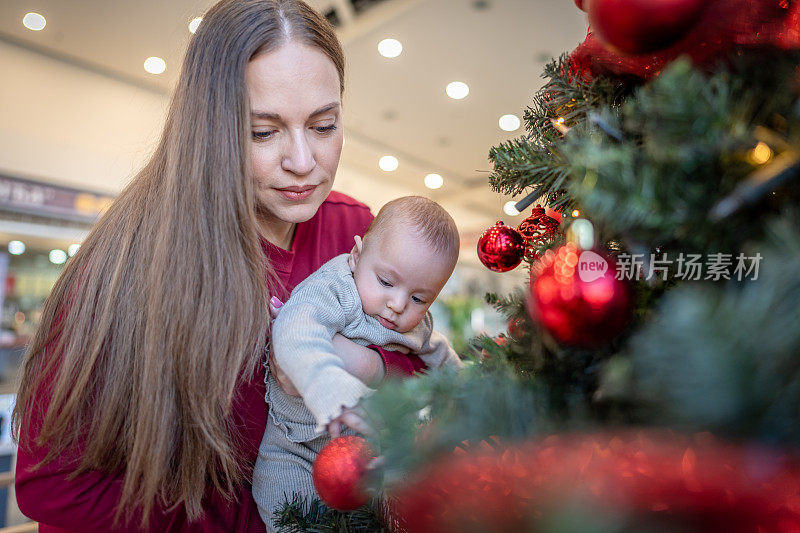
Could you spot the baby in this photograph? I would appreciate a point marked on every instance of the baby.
(377, 294)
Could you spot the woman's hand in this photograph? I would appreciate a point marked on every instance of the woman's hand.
(360, 361)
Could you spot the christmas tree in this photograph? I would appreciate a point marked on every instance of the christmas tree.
(650, 378)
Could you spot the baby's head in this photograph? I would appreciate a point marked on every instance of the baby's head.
(406, 257)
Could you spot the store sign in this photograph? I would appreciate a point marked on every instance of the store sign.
(42, 199)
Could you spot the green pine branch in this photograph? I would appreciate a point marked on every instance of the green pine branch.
(535, 161)
(302, 515)
(726, 357)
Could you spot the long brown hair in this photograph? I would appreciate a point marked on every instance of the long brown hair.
(163, 310)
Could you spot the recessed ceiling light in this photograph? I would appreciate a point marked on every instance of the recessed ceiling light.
(433, 181)
(509, 209)
(195, 23)
(457, 90)
(509, 123)
(34, 21)
(390, 48)
(155, 65)
(58, 257)
(16, 247)
(388, 163)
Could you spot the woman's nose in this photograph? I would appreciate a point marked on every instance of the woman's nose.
(298, 157)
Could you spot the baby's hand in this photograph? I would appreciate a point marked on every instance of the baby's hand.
(354, 418)
(274, 307)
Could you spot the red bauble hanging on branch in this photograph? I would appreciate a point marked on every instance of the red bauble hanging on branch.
(576, 297)
(501, 248)
(538, 230)
(639, 26)
(339, 470)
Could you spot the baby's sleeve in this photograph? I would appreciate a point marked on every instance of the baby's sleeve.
(302, 346)
(436, 350)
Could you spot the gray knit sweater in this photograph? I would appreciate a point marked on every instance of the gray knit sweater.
(327, 303)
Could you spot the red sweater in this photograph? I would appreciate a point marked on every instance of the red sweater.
(87, 503)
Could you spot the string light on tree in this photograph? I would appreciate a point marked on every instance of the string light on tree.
(761, 154)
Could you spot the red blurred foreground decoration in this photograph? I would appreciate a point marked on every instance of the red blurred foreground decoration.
(645, 479)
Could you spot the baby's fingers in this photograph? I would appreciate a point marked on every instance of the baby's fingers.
(356, 422)
(274, 307)
(334, 428)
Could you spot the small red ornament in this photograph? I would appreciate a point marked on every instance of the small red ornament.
(639, 26)
(579, 3)
(538, 230)
(576, 297)
(516, 327)
(501, 248)
(338, 472)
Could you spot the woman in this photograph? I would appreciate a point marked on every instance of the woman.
(142, 398)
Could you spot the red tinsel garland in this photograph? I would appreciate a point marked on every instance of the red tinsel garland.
(725, 27)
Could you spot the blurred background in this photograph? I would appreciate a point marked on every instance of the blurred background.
(431, 86)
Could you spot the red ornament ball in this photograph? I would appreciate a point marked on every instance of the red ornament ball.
(576, 297)
(579, 3)
(338, 472)
(501, 248)
(538, 230)
(639, 26)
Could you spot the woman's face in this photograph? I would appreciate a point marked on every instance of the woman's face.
(296, 131)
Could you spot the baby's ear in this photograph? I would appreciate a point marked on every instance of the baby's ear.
(355, 253)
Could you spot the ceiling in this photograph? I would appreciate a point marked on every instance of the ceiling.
(392, 106)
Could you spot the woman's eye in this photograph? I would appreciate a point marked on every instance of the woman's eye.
(263, 135)
(384, 282)
(325, 129)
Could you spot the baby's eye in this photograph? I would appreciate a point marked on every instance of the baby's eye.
(263, 135)
(384, 282)
(417, 300)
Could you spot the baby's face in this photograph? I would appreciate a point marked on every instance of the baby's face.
(398, 276)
